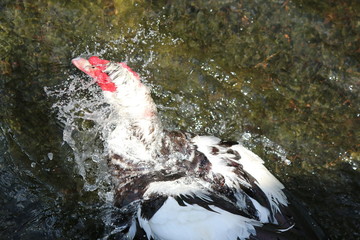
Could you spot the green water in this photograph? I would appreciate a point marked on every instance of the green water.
(282, 76)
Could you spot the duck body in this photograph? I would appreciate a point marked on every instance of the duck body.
(178, 186)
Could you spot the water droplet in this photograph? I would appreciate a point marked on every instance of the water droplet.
(246, 136)
(287, 161)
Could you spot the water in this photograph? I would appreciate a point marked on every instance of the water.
(281, 77)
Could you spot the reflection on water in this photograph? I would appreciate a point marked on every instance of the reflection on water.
(280, 76)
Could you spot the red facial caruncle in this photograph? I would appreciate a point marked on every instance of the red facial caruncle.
(95, 67)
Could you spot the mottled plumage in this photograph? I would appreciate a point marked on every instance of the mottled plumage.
(175, 186)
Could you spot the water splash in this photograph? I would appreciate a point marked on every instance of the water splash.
(84, 116)
(81, 110)
(269, 146)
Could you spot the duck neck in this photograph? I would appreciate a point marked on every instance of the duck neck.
(138, 133)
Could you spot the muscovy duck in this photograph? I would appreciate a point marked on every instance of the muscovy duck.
(185, 187)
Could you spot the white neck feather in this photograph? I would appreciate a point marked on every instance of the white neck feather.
(138, 133)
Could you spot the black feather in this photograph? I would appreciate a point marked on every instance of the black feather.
(150, 206)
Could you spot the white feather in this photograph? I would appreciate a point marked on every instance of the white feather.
(184, 186)
(252, 164)
(272, 187)
(192, 222)
(218, 164)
